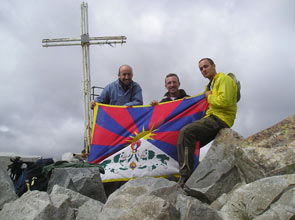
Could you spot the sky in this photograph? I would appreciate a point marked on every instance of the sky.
(41, 98)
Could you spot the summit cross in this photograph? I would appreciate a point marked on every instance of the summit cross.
(85, 41)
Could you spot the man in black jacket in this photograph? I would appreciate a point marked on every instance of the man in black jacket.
(172, 85)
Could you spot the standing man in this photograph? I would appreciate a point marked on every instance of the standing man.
(221, 94)
(123, 91)
(172, 85)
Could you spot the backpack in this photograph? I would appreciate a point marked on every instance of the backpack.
(28, 175)
(16, 168)
(237, 82)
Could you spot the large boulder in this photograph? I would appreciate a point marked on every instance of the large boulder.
(143, 198)
(31, 205)
(7, 192)
(270, 198)
(269, 152)
(85, 180)
(62, 203)
(217, 173)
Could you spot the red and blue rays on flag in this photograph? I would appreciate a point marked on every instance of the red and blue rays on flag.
(115, 127)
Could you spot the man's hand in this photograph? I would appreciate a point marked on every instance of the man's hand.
(92, 104)
(154, 102)
(208, 93)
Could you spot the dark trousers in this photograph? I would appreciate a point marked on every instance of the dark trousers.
(196, 134)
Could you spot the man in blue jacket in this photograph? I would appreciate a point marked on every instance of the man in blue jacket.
(123, 91)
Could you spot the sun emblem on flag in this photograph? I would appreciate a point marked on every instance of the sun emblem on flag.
(146, 135)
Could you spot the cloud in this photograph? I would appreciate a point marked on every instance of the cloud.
(41, 88)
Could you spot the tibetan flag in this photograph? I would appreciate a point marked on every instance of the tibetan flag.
(141, 141)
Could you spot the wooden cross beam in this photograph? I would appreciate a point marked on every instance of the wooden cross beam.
(84, 40)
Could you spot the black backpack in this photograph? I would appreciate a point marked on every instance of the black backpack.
(28, 175)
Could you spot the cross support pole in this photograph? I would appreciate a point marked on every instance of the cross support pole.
(85, 41)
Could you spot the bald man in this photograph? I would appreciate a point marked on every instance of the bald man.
(123, 91)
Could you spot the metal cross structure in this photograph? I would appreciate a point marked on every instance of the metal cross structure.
(85, 41)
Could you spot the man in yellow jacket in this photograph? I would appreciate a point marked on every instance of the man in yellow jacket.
(221, 94)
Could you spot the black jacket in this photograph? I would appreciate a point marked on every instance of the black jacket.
(181, 95)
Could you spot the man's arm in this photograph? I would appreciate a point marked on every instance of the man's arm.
(103, 98)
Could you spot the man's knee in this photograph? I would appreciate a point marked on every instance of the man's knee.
(190, 129)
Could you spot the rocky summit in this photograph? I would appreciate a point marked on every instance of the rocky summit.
(238, 179)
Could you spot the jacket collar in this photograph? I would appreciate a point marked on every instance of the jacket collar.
(182, 93)
(124, 87)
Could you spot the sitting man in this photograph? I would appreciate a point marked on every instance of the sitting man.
(123, 91)
(221, 94)
(172, 85)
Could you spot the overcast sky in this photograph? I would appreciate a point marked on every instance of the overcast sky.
(41, 100)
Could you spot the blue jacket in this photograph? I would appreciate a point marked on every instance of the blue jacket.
(114, 94)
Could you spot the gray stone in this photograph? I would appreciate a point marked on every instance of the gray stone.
(284, 208)
(69, 204)
(7, 192)
(149, 207)
(89, 210)
(84, 180)
(193, 209)
(64, 208)
(143, 198)
(62, 203)
(222, 200)
(33, 205)
(268, 153)
(268, 198)
(60, 176)
(217, 173)
(76, 199)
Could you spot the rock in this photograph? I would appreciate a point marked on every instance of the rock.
(75, 198)
(84, 180)
(270, 198)
(221, 200)
(89, 210)
(62, 203)
(70, 203)
(191, 209)
(64, 208)
(217, 173)
(268, 153)
(7, 192)
(32, 205)
(143, 198)
(60, 176)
